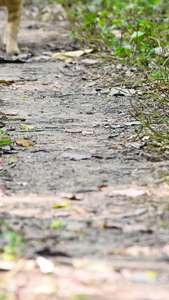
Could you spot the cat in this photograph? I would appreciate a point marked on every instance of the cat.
(14, 8)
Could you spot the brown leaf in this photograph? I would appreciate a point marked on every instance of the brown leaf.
(24, 142)
(7, 82)
(102, 186)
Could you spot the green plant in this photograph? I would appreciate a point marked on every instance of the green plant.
(134, 32)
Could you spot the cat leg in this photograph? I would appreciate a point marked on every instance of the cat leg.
(14, 15)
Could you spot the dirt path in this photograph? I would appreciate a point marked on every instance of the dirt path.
(112, 241)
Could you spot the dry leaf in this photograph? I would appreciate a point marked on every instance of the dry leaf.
(71, 54)
(24, 142)
(103, 185)
(7, 82)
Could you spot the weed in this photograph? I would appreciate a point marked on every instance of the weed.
(138, 33)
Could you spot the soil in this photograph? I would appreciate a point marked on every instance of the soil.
(84, 169)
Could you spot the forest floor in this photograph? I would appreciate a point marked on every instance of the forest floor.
(91, 203)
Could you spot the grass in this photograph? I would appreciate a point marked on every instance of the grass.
(132, 33)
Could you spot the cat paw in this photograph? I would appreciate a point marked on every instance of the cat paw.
(12, 49)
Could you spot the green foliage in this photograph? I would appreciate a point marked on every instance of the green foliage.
(132, 31)
(96, 21)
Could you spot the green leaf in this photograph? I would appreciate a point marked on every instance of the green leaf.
(122, 51)
(156, 74)
(56, 224)
(137, 35)
(152, 52)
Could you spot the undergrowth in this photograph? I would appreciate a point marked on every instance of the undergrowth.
(134, 33)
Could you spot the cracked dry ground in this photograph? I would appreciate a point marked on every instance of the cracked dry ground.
(113, 239)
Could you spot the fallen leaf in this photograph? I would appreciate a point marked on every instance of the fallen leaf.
(102, 186)
(13, 158)
(56, 224)
(7, 82)
(60, 205)
(24, 142)
(116, 147)
(27, 127)
(71, 54)
(151, 273)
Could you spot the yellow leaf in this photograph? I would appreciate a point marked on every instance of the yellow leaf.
(151, 273)
(24, 142)
(60, 205)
